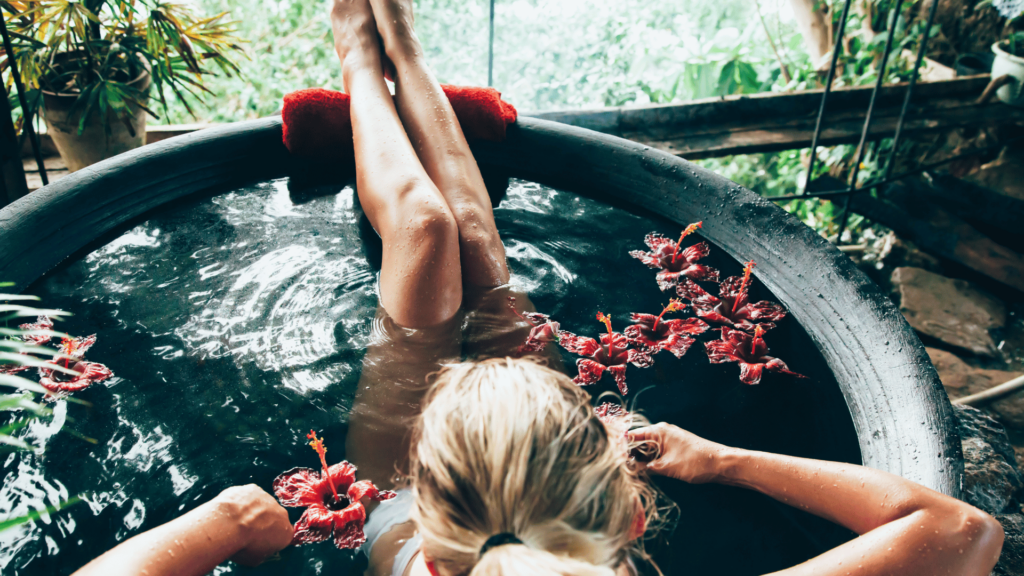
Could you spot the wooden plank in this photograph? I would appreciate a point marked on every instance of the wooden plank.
(939, 232)
(781, 121)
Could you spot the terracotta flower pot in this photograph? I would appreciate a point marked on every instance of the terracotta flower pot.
(1006, 63)
(94, 143)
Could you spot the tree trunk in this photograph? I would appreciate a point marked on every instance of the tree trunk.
(815, 24)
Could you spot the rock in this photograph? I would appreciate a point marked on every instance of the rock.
(1005, 174)
(992, 481)
(953, 311)
(1011, 560)
(960, 379)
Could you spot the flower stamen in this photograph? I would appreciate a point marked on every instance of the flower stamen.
(318, 445)
(689, 230)
(601, 317)
(758, 334)
(744, 285)
(674, 305)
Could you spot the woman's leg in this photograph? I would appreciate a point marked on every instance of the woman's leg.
(441, 146)
(421, 278)
(421, 274)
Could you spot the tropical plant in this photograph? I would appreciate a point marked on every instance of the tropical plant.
(96, 48)
(17, 353)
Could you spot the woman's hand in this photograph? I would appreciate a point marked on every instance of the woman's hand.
(264, 523)
(681, 454)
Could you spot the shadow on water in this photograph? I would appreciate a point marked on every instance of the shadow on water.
(236, 323)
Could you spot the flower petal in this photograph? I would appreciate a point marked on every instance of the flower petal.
(348, 527)
(700, 272)
(365, 489)
(342, 475)
(720, 351)
(589, 372)
(677, 344)
(578, 344)
(696, 252)
(8, 369)
(657, 242)
(750, 373)
(315, 525)
(300, 487)
(82, 345)
(730, 287)
(686, 326)
(619, 373)
(776, 365)
(639, 358)
(765, 310)
(695, 294)
(648, 258)
(41, 323)
(668, 279)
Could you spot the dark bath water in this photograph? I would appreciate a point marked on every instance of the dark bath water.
(237, 323)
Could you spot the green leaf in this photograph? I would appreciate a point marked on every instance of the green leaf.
(22, 383)
(36, 514)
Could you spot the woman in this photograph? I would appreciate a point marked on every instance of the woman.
(510, 471)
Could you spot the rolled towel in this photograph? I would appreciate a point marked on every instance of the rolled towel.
(317, 122)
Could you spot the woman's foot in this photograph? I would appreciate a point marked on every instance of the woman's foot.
(355, 35)
(395, 25)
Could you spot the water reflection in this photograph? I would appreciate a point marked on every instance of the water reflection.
(236, 324)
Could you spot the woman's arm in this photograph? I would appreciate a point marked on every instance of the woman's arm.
(904, 527)
(242, 523)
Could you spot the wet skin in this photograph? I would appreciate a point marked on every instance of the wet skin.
(422, 191)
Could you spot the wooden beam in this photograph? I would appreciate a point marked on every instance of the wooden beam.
(774, 121)
(939, 232)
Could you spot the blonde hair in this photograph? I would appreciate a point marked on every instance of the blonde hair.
(509, 446)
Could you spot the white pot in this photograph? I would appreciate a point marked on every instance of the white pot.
(1006, 63)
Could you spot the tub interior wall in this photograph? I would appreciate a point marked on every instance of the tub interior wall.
(236, 323)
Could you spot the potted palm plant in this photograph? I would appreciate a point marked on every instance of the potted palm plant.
(95, 64)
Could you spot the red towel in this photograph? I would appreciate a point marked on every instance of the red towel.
(317, 121)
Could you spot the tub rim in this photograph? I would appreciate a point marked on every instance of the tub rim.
(904, 421)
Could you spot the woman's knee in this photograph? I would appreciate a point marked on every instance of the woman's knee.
(423, 214)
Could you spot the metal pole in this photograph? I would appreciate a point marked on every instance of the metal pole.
(824, 95)
(490, 51)
(26, 117)
(898, 177)
(910, 87)
(862, 145)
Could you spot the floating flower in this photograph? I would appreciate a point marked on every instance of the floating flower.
(732, 307)
(671, 335)
(331, 498)
(87, 373)
(41, 323)
(673, 263)
(612, 353)
(544, 330)
(617, 421)
(749, 351)
(8, 369)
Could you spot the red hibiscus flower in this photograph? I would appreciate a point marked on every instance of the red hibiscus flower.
(671, 335)
(616, 420)
(749, 351)
(612, 353)
(331, 498)
(673, 263)
(732, 307)
(544, 330)
(41, 323)
(87, 373)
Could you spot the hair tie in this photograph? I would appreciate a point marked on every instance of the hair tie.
(499, 540)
